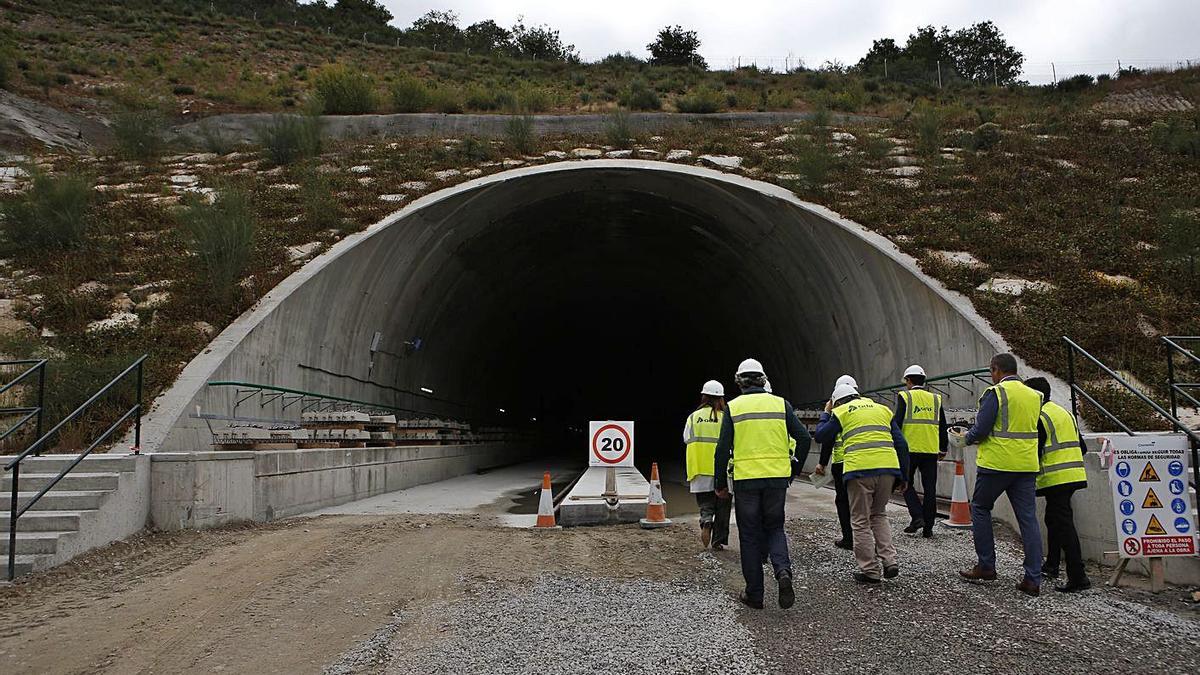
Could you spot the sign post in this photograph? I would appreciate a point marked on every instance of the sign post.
(610, 445)
(1148, 476)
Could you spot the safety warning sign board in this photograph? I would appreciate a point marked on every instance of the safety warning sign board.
(610, 443)
(1151, 502)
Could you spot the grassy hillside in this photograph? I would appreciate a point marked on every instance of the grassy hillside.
(1098, 214)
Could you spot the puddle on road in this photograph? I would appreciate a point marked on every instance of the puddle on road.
(525, 500)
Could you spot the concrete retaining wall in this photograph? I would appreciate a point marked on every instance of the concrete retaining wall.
(207, 489)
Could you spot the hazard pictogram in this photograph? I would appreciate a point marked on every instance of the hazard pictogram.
(1151, 501)
(1132, 547)
(1149, 475)
(1155, 527)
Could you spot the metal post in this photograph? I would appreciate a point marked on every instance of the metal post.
(137, 420)
(41, 399)
(939, 64)
(12, 524)
(1171, 381)
(885, 74)
(1053, 73)
(1071, 380)
(995, 75)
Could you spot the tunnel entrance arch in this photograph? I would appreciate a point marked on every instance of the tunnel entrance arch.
(576, 290)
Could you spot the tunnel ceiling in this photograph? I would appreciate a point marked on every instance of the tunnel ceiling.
(590, 290)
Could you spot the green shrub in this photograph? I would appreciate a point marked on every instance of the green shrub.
(985, 114)
(287, 138)
(139, 134)
(876, 147)
(221, 235)
(480, 98)
(211, 138)
(344, 90)
(927, 120)
(781, 99)
(819, 117)
(320, 210)
(4, 71)
(518, 131)
(409, 95)
(703, 100)
(640, 96)
(535, 99)
(446, 99)
(986, 136)
(52, 214)
(619, 130)
(811, 161)
(1177, 136)
(183, 90)
(1075, 83)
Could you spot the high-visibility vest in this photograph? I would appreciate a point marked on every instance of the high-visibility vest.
(760, 437)
(704, 428)
(1062, 455)
(922, 420)
(1012, 444)
(866, 436)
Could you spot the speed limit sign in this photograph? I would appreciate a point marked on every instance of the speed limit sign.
(610, 444)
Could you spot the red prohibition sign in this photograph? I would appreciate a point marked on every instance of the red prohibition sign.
(600, 432)
(1132, 546)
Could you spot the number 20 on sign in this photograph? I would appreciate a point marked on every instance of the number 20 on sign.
(610, 443)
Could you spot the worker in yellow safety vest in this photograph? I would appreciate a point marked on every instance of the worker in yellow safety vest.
(700, 434)
(831, 460)
(1006, 429)
(1061, 450)
(922, 420)
(875, 461)
(755, 432)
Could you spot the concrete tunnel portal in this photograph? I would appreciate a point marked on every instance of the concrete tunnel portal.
(586, 290)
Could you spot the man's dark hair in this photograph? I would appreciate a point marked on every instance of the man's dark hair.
(1039, 384)
(748, 380)
(1005, 363)
(917, 380)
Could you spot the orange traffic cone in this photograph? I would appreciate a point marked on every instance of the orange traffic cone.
(545, 519)
(656, 509)
(960, 506)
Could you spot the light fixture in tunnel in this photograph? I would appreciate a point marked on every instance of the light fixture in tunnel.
(502, 410)
(427, 390)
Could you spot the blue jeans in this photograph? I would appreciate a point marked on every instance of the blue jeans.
(1020, 488)
(760, 522)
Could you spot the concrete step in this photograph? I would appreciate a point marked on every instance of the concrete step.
(24, 565)
(59, 500)
(44, 521)
(32, 542)
(94, 463)
(76, 480)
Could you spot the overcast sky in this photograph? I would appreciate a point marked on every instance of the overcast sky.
(1077, 35)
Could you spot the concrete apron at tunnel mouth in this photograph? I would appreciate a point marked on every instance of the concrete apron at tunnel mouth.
(318, 316)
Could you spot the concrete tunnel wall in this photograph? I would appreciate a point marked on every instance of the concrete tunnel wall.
(585, 289)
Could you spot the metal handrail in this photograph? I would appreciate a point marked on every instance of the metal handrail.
(14, 465)
(1171, 342)
(949, 378)
(1192, 434)
(38, 365)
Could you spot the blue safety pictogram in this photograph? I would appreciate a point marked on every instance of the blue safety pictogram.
(1127, 507)
(1129, 526)
(1125, 488)
(1178, 505)
(1176, 487)
(1123, 469)
(1182, 525)
(1175, 468)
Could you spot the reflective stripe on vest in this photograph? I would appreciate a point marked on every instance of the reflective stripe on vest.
(1062, 455)
(704, 428)
(866, 436)
(760, 437)
(1012, 443)
(922, 420)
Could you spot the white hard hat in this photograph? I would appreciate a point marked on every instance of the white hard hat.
(750, 366)
(767, 386)
(914, 369)
(842, 391)
(713, 388)
(846, 379)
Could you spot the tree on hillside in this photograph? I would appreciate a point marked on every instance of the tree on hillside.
(437, 30)
(541, 43)
(487, 37)
(882, 51)
(981, 53)
(929, 46)
(675, 46)
(363, 12)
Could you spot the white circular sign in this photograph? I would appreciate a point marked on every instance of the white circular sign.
(610, 444)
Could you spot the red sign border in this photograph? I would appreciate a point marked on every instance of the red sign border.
(628, 443)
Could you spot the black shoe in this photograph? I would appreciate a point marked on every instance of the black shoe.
(1075, 586)
(787, 596)
(1049, 572)
(927, 533)
(749, 601)
(891, 572)
(864, 579)
(914, 527)
(842, 543)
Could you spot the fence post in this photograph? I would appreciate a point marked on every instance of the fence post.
(137, 422)
(995, 75)
(885, 73)
(939, 64)
(1053, 73)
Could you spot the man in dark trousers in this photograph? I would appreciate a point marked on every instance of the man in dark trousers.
(1061, 451)
(921, 417)
(832, 452)
(755, 434)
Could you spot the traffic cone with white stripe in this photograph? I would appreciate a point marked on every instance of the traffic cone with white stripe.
(656, 506)
(960, 506)
(545, 519)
